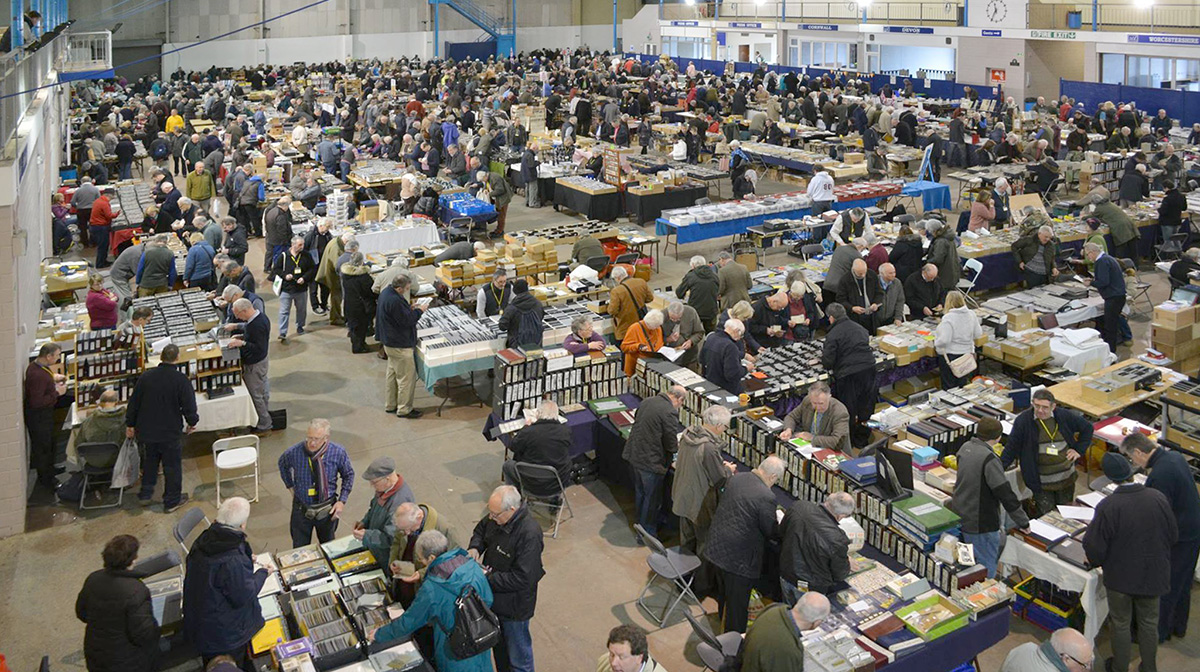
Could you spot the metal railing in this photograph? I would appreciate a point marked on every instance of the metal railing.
(899, 13)
(481, 17)
(1156, 18)
(19, 80)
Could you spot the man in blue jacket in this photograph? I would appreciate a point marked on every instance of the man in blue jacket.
(722, 357)
(162, 401)
(1171, 475)
(396, 328)
(221, 613)
(1109, 280)
(1047, 440)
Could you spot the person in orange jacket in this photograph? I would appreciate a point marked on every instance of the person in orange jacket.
(642, 339)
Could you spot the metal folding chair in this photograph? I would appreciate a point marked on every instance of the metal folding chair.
(91, 454)
(236, 453)
(187, 524)
(811, 250)
(458, 229)
(1172, 246)
(715, 650)
(967, 285)
(674, 565)
(1137, 289)
(554, 500)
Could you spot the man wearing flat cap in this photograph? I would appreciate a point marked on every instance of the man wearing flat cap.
(376, 529)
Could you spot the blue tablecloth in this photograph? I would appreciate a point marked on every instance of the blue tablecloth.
(433, 374)
(802, 166)
(934, 196)
(693, 233)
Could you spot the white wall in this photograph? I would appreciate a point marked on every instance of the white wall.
(643, 29)
(976, 56)
(894, 57)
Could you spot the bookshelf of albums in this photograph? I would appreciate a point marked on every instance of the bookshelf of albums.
(104, 360)
(524, 378)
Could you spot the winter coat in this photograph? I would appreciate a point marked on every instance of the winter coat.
(1131, 537)
(699, 470)
(1022, 441)
(199, 265)
(277, 222)
(637, 336)
(854, 292)
(981, 488)
(514, 552)
(721, 359)
(652, 439)
(701, 288)
(624, 301)
(1027, 246)
(400, 542)
(833, 432)
(434, 605)
(1119, 224)
(545, 442)
(221, 612)
(522, 321)
(102, 426)
(906, 256)
(358, 301)
(378, 527)
(764, 318)
(847, 349)
(920, 295)
(956, 333)
(327, 270)
(1133, 187)
(744, 522)
(690, 329)
(121, 633)
(734, 284)
(814, 548)
(943, 253)
(840, 264)
(300, 266)
(1171, 475)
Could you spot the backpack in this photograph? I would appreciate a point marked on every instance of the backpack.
(476, 628)
(161, 150)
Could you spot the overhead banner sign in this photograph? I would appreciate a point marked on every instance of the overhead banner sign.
(721, 38)
(745, 24)
(991, 33)
(817, 26)
(1189, 40)
(910, 30)
(1055, 34)
(686, 24)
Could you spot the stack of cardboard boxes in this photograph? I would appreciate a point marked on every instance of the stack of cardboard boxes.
(1175, 332)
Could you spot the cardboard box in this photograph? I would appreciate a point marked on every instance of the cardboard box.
(1020, 320)
(1104, 391)
(750, 261)
(1174, 315)
(1171, 336)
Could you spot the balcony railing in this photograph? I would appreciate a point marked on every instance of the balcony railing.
(19, 80)
(1117, 18)
(896, 13)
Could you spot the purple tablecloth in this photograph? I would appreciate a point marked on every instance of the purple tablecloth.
(1000, 270)
(584, 426)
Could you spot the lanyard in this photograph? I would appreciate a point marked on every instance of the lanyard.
(1047, 429)
(296, 262)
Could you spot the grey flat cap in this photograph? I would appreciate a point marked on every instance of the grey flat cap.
(380, 467)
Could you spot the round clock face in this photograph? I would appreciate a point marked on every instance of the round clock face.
(996, 10)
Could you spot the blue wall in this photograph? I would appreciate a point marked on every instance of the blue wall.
(1181, 105)
(937, 88)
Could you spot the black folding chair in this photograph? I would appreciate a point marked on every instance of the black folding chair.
(90, 455)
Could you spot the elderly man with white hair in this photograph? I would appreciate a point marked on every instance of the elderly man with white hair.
(742, 525)
(820, 419)
(772, 642)
(699, 473)
(509, 542)
(254, 342)
(221, 613)
(722, 359)
(683, 330)
(311, 470)
(815, 553)
(891, 297)
(771, 320)
(544, 442)
(411, 519)
(1066, 650)
(701, 286)
(733, 281)
(859, 292)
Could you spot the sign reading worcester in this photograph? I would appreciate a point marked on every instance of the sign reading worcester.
(1192, 40)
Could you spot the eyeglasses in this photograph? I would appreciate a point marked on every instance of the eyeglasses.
(1086, 666)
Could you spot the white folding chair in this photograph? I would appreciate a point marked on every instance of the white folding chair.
(966, 285)
(236, 453)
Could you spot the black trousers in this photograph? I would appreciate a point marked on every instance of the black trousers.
(948, 379)
(733, 598)
(1127, 251)
(40, 423)
(302, 528)
(1111, 322)
(1175, 606)
(858, 393)
(318, 296)
(82, 219)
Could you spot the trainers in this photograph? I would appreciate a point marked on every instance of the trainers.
(411, 415)
(319, 311)
(145, 501)
(282, 338)
(183, 499)
(299, 332)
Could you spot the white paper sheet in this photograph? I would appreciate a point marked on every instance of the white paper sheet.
(1092, 499)
(1045, 531)
(670, 353)
(1077, 512)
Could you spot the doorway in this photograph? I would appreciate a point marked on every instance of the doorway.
(744, 53)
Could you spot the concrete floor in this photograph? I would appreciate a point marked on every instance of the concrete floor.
(594, 569)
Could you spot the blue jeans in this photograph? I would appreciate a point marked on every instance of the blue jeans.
(514, 652)
(987, 549)
(647, 494)
(126, 169)
(286, 301)
(99, 236)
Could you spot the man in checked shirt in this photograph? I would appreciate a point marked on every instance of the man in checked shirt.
(310, 470)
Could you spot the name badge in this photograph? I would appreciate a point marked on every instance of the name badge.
(1054, 448)
(312, 492)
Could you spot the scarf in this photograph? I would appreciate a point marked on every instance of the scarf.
(316, 463)
(382, 497)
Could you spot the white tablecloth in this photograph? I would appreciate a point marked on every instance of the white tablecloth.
(1063, 574)
(396, 239)
(1080, 357)
(228, 412)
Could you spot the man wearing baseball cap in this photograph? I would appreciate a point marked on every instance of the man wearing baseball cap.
(376, 529)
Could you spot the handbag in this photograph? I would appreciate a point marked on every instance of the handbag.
(476, 627)
(128, 464)
(962, 365)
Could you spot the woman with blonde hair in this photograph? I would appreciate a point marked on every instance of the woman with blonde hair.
(982, 211)
(742, 310)
(955, 337)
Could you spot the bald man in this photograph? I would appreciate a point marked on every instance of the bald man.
(859, 292)
(891, 297)
(773, 642)
(1067, 649)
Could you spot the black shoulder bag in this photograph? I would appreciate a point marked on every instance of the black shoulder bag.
(476, 628)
